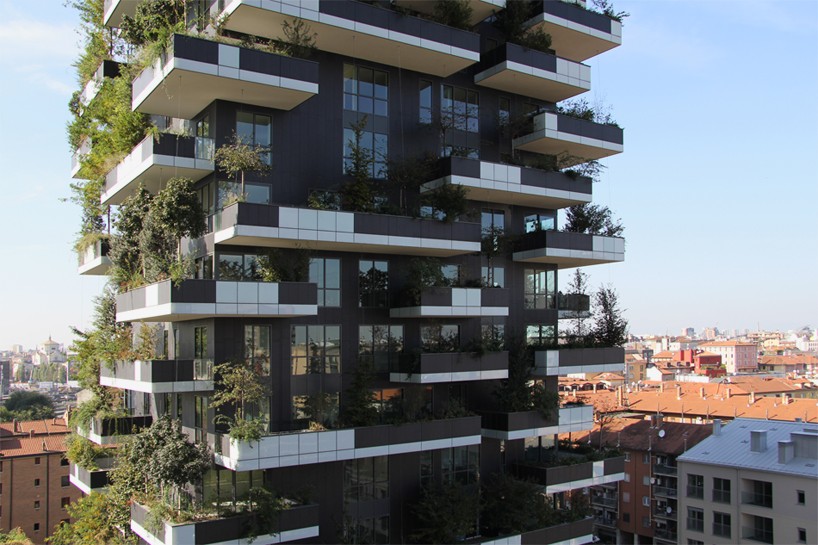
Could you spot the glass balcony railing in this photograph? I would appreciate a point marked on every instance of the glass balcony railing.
(202, 369)
(205, 148)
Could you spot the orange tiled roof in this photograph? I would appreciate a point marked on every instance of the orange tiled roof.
(39, 427)
(27, 438)
(638, 435)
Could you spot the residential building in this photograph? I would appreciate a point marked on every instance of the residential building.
(751, 481)
(736, 356)
(391, 86)
(635, 368)
(34, 477)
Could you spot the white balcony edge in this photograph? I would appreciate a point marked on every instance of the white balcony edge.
(570, 73)
(596, 480)
(79, 484)
(196, 310)
(614, 37)
(514, 187)
(447, 312)
(188, 537)
(462, 376)
(181, 386)
(518, 540)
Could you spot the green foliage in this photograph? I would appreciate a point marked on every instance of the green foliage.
(453, 13)
(578, 285)
(424, 272)
(606, 7)
(324, 200)
(125, 251)
(98, 44)
(445, 514)
(267, 508)
(15, 536)
(359, 409)
(582, 109)
(511, 22)
(592, 219)
(49, 372)
(101, 405)
(86, 195)
(23, 400)
(83, 452)
(511, 506)
(449, 200)
(299, 40)
(93, 522)
(154, 22)
(238, 157)
(610, 327)
(358, 193)
(284, 265)
(238, 387)
(519, 392)
(405, 176)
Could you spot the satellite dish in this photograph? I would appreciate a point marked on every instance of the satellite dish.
(661, 433)
(669, 510)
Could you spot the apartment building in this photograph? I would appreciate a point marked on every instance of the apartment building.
(751, 481)
(736, 356)
(389, 84)
(34, 477)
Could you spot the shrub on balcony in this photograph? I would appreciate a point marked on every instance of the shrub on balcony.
(238, 388)
(283, 265)
(610, 327)
(512, 506)
(592, 219)
(519, 393)
(511, 22)
(360, 399)
(238, 157)
(447, 202)
(453, 13)
(83, 452)
(445, 514)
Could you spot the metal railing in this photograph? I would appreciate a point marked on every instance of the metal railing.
(664, 491)
(665, 469)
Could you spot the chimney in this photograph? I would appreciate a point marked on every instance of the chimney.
(15, 426)
(717, 426)
(701, 393)
(45, 448)
(729, 393)
(786, 451)
(758, 440)
(659, 418)
(31, 433)
(752, 397)
(678, 392)
(619, 396)
(662, 387)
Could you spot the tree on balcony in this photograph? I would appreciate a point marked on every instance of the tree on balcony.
(512, 506)
(610, 327)
(238, 389)
(511, 22)
(445, 514)
(358, 193)
(592, 219)
(360, 409)
(238, 157)
(578, 288)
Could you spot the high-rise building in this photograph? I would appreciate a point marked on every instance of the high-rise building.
(405, 222)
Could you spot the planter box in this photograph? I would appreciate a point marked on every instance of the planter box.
(579, 360)
(452, 367)
(248, 224)
(94, 260)
(561, 478)
(519, 425)
(106, 431)
(510, 184)
(200, 71)
(195, 299)
(363, 31)
(159, 376)
(522, 71)
(553, 134)
(444, 302)
(296, 523)
(91, 481)
(568, 533)
(568, 250)
(310, 447)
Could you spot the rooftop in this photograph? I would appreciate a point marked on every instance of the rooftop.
(642, 435)
(29, 438)
(732, 447)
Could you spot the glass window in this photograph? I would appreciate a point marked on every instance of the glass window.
(761, 493)
(459, 117)
(373, 283)
(540, 222)
(255, 130)
(540, 335)
(440, 338)
(315, 349)
(695, 519)
(802, 535)
(374, 144)
(199, 342)
(460, 465)
(540, 289)
(721, 524)
(646, 501)
(366, 479)
(326, 273)
(695, 486)
(721, 490)
(230, 192)
(321, 408)
(493, 277)
(492, 220)
(426, 471)
(802, 498)
(366, 90)
(380, 345)
(204, 267)
(257, 348)
(425, 99)
(504, 111)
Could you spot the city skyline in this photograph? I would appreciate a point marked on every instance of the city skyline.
(689, 188)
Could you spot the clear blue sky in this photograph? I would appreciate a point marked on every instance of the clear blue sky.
(717, 187)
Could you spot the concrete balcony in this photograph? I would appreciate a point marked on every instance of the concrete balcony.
(443, 302)
(568, 250)
(95, 480)
(433, 368)
(247, 224)
(509, 184)
(362, 31)
(293, 524)
(288, 449)
(107, 430)
(576, 33)
(94, 260)
(509, 426)
(581, 140)
(106, 70)
(515, 69)
(567, 533)
(154, 161)
(77, 157)
(578, 360)
(480, 9)
(159, 376)
(196, 299)
(114, 11)
(195, 72)
(570, 476)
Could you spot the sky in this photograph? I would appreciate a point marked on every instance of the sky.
(717, 187)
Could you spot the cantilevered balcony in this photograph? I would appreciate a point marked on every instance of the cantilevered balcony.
(567, 250)
(480, 9)
(77, 157)
(509, 426)
(444, 302)
(107, 69)
(569, 472)
(362, 31)
(578, 360)
(519, 70)
(293, 524)
(509, 184)
(193, 72)
(114, 11)
(94, 260)
(195, 299)
(576, 33)
(159, 376)
(573, 305)
(248, 224)
(311, 447)
(154, 161)
(575, 140)
(567, 533)
(432, 368)
(91, 480)
(106, 430)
